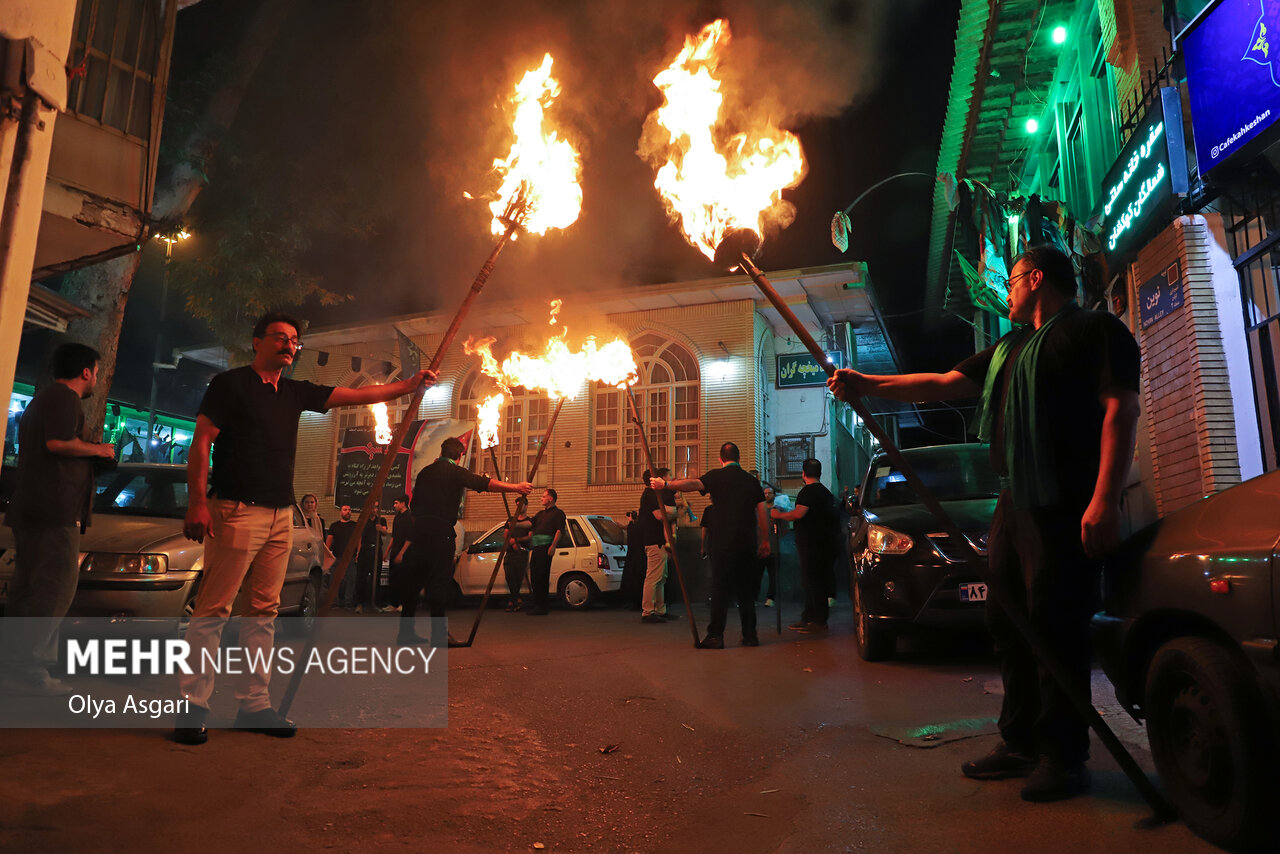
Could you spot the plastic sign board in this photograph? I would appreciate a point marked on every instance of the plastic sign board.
(797, 370)
(1142, 187)
(1232, 56)
(1160, 296)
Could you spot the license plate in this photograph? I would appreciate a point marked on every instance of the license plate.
(973, 592)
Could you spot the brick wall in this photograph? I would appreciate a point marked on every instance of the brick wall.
(1186, 394)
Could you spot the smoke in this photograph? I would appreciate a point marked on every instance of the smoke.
(423, 87)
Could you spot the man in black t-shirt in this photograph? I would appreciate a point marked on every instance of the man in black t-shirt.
(548, 526)
(401, 536)
(437, 492)
(52, 505)
(655, 505)
(739, 540)
(244, 506)
(1060, 408)
(339, 535)
(815, 521)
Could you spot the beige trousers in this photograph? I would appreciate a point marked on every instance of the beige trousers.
(653, 601)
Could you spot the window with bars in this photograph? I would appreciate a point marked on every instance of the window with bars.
(115, 44)
(668, 397)
(525, 416)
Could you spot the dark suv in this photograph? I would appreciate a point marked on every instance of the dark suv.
(1188, 636)
(905, 571)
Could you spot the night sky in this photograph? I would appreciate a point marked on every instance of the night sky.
(368, 121)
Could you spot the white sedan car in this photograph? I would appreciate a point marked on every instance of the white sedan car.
(588, 562)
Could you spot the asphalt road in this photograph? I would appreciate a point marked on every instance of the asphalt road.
(595, 732)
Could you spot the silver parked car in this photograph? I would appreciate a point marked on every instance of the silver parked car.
(136, 563)
(588, 561)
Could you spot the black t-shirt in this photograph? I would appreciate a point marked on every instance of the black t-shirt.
(545, 525)
(735, 495)
(437, 492)
(1084, 354)
(52, 490)
(401, 532)
(341, 533)
(258, 434)
(817, 528)
(521, 530)
(651, 530)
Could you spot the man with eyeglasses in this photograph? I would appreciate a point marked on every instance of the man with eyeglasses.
(1059, 405)
(242, 511)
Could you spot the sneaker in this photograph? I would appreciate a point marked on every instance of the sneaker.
(750, 640)
(1054, 780)
(43, 686)
(711, 642)
(1002, 762)
(266, 721)
(652, 618)
(189, 728)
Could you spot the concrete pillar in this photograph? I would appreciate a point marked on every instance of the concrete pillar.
(33, 89)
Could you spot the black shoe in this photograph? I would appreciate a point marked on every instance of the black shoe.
(669, 616)
(798, 626)
(711, 642)
(189, 728)
(652, 618)
(1000, 763)
(266, 721)
(750, 641)
(452, 643)
(410, 639)
(811, 628)
(1055, 781)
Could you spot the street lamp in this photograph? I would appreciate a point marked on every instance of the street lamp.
(840, 225)
(169, 236)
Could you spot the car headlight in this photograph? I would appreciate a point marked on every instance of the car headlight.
(886, 541)
(101, 563)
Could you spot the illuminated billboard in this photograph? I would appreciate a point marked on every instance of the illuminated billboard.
(1232, 77)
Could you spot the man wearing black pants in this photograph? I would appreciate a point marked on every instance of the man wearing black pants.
(547, 526)
(1060, 408)
(437, 492)
(815, 518)
(739, 540)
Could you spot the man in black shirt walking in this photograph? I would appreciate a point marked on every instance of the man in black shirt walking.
(1060, 408)
(654, 505)
(739, 540)
(242, 511)
(437, 492)
(547, 525)
(816, 544)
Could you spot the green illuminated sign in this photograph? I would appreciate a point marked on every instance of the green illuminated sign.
(797, 370)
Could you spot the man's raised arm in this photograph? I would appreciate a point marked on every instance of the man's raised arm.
(847, 384)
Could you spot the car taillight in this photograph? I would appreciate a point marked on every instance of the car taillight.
(602, 562)
(886, 541)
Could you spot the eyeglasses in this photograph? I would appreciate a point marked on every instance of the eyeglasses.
(292, 340)
(1011, 279)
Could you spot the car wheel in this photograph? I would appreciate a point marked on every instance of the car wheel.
(1208, 740)
(577, 591)
(875, 641)
(308, 608)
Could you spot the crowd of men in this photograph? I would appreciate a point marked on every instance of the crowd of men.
(1058, 405)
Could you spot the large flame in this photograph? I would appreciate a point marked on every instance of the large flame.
(547, 167)
(713, 188)
(489, 413)
(381, 424)
(560, 371)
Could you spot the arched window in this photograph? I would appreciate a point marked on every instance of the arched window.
(525, 416)
(667, 396)
(362, 416)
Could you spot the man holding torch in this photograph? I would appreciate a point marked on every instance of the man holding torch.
(244, 507)
(437, 492)
(1059, 405)
(742, 518)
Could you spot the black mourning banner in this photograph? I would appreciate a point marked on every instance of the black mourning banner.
(360, 459)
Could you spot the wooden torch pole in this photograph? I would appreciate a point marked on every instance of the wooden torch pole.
(513, 217)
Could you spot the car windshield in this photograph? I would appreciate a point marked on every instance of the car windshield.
(142, 492)
(610, 533)
(951, 474)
